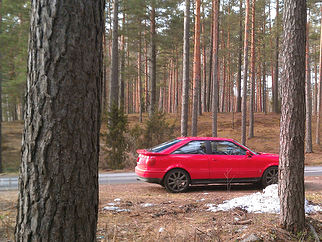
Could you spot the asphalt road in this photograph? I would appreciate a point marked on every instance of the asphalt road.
(11, 183)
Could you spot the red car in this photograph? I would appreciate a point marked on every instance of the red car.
(203, 160)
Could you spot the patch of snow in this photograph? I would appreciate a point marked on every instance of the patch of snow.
(145, 205)
(202, 199)
(259, 202)
(111, 204)
(117, 199)
(161, 229)
(205, 193)
(116, 209)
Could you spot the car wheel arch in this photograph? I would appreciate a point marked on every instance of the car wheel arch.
(264, 172)
(175, 168)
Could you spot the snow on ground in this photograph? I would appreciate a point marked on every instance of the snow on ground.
(259, 202)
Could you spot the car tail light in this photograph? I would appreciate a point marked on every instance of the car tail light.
(150, 161)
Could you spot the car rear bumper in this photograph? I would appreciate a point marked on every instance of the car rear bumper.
(149, 176)
(150, 180)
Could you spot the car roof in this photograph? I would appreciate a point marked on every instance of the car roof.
(204, 138)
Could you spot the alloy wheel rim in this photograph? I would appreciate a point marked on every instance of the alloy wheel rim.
(177, 181)
(272, 177)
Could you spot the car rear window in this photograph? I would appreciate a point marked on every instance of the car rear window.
(163, 146)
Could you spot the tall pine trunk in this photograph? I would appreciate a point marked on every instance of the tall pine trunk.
(244, 100)
(114, 81)
(308, 99)
(319, 96)
(252, 70)
(215, 79)
(122, 70)
(275, 86)
(196, 72)
(291, 165)
(58, 183)
(185, 81)
(240, 50)
(153, 64)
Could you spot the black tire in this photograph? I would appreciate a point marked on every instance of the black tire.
(270, 176)
(176, 180)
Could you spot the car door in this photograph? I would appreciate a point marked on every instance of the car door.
(228, 160)
(193, 158)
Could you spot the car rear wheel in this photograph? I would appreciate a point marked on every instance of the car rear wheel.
(270, 176)
(176, 180)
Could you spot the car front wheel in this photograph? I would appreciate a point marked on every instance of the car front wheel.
(176, 180)
(270, 176)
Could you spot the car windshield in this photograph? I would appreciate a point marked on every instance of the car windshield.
(246, 147)
(163, 146)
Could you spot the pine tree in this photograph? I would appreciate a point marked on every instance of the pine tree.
(58, 182)
(291, 165)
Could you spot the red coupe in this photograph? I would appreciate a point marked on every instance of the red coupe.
(203, 160)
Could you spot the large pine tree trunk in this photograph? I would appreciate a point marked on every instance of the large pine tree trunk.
(215, 89)
(308, 99)
(240, 49)
(291, 169)
(252, 70)
(58, 183)
(114, 81)
(244, 100)
(185, 80)
(196, 72)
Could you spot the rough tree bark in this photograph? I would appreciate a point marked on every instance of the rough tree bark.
(308, 99)
(240, 50)
(244, 100)
(291, 165)
(215, 89)
(196, 72)
(185, 80)
(114, 80)
(58, 183)
(252, 70)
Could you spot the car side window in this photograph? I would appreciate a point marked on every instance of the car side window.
(226, 148)
(193, 147)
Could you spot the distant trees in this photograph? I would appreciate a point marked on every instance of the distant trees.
(154, 31)
(292, 131)
(58, 183)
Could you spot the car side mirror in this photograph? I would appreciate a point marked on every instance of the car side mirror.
(249, 154)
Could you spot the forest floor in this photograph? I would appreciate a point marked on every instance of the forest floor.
(149, 213)
(266, 136)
